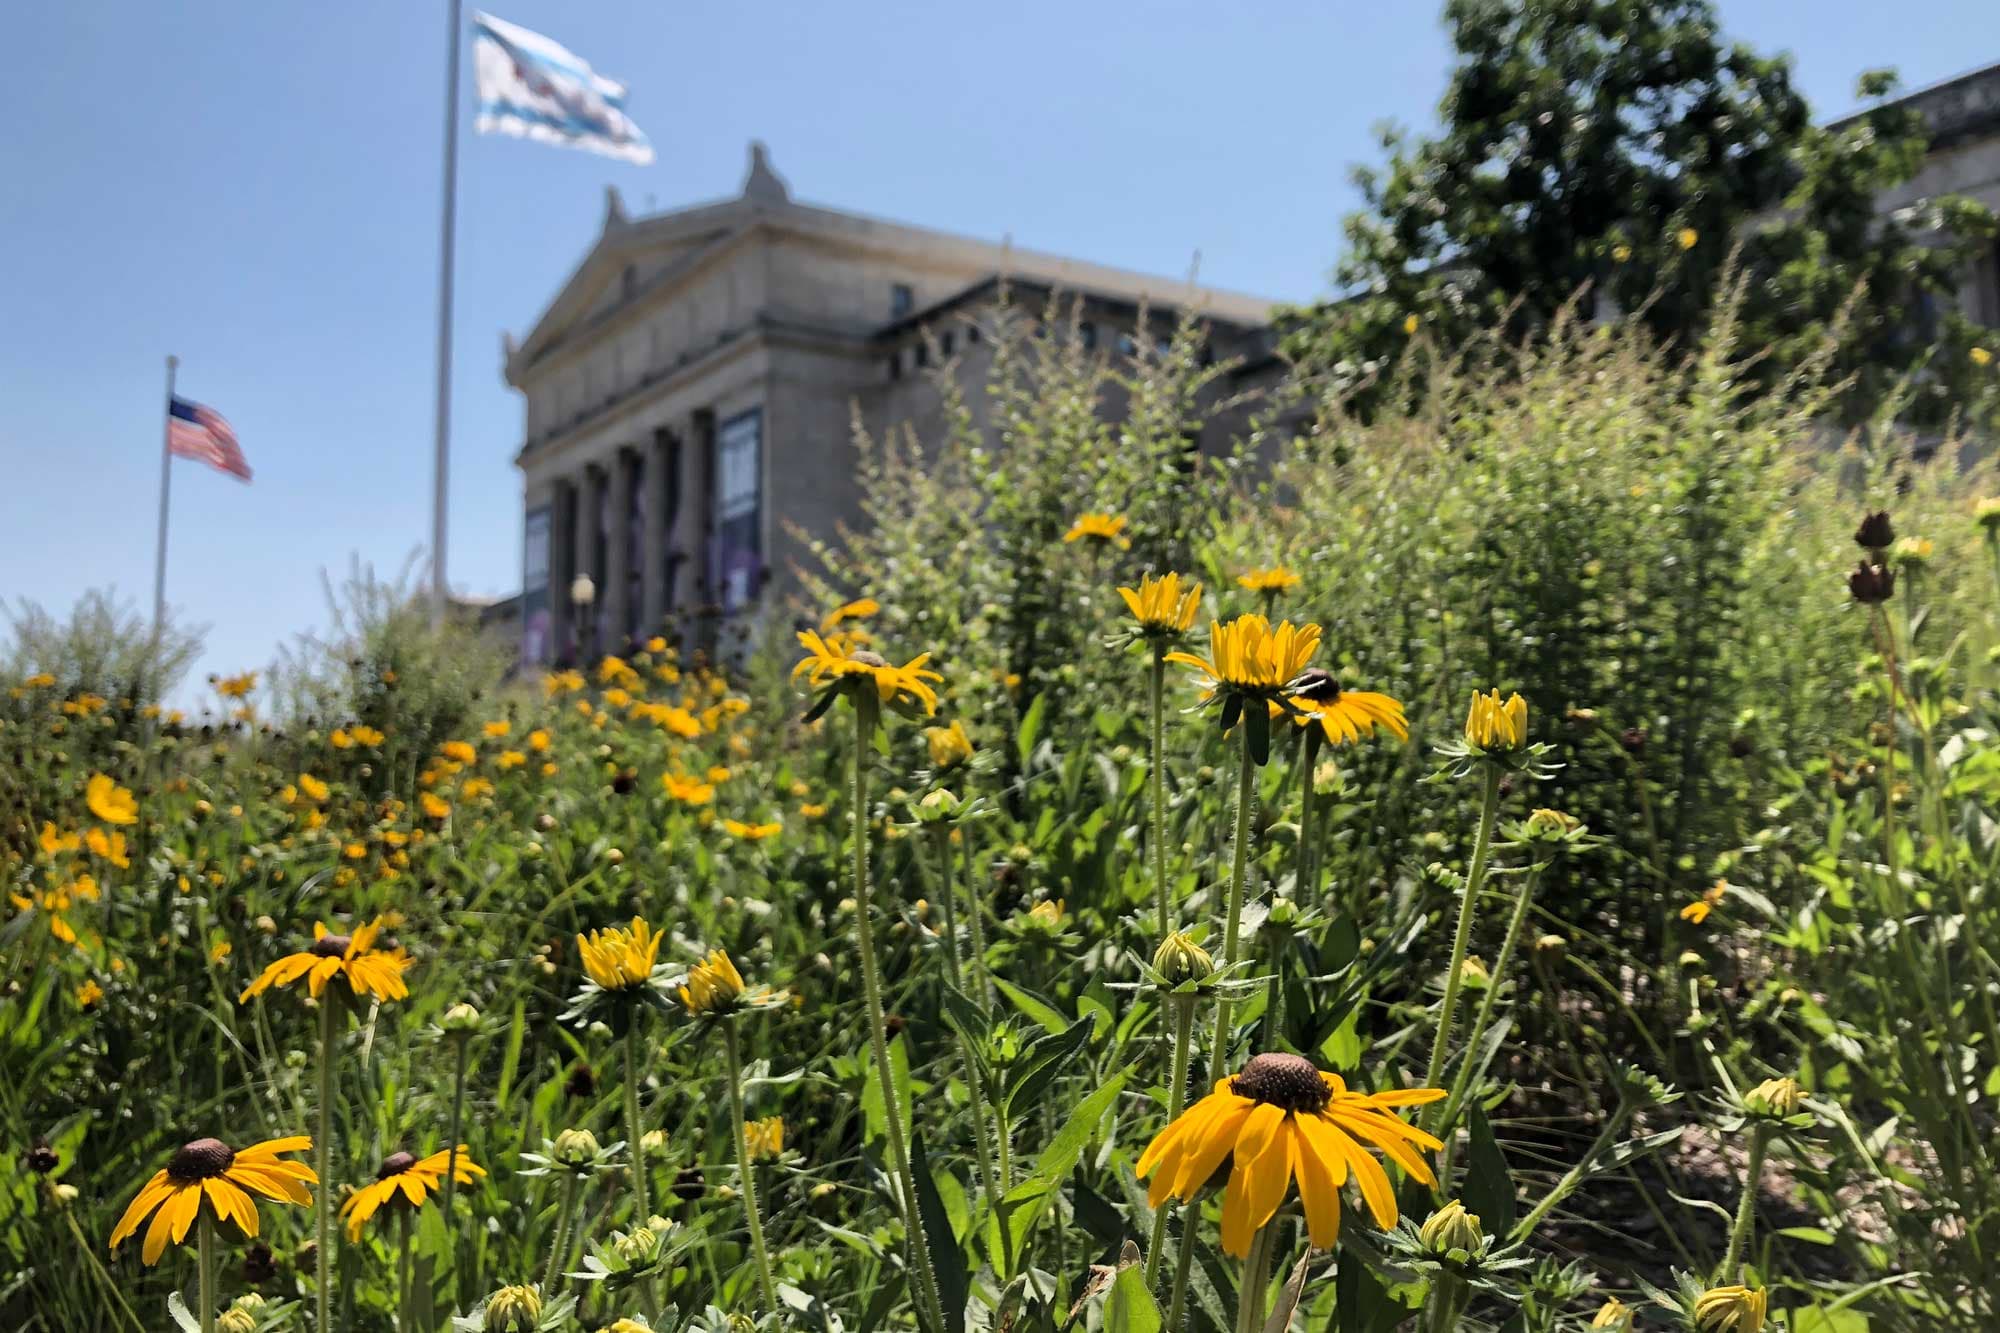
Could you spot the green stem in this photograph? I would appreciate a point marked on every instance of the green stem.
(1307, 875)
(1614, 1125)
(1746, 1211)
(1448, 1299)
(634, 1150)
(1256, 1277)
(559, 1251)
(1461, 1084)
(1183, 1007)
(1482, 847)
(1183, 1266)
(922, 1278)
(1246, 790)
(463, 1052)
(403, 1320)
(975, 918)
(735, 1054)
(329, 1008)
(205, 1265)
(1159, 784)
(940, 839)
(975, 1089)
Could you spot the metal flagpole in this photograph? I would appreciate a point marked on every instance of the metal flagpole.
(166, 482)
(440, 483)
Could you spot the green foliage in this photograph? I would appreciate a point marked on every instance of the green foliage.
(1624, 156)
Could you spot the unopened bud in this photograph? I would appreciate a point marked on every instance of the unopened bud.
(1451, 1229)
(1180, 959)
(576, 1148)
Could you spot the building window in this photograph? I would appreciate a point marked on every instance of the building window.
(971, 334)
(945, 345)
(1086, 334)
(739, 508)
(896, 364)
(902, 300)
(1126, 346)
(923, 351)
(628, 282)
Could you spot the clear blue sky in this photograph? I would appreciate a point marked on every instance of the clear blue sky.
(255, 187)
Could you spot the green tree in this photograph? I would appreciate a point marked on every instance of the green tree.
(1626, 152)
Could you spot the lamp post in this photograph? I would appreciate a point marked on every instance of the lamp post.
(583, 596)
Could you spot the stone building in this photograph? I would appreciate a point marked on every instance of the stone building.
(690, 393)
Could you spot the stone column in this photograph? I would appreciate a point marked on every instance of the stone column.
(562, 566)
(661, 487)
(692, 525)
(615, 593)
(589, 485)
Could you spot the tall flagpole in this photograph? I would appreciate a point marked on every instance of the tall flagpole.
(166, 483)
(440, 484)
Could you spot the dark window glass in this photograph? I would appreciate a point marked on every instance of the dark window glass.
(944, 345)
(1086, 333)
(739, 508)
(902, 299)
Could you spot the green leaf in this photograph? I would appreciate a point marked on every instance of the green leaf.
(872, 1112)
(1023, 1204)
(947, 1259)
(1040, 1064)
(1489, 1190)
(1032, 1005)
(1342, 1047)
(1130, 1308)
(1811, 1235)
(1819, 1319)
(1030, 728)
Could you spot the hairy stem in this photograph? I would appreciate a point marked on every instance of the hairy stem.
(1246, 794)
(769, 1287)
(329, 1009)
(1482, 847)
(1183, 1009)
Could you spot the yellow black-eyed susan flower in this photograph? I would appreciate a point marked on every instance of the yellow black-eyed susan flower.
(1343, 715)
(1494, 725)
(1104, 529)
(619, 958)
(208, 1169)
(353, 958)
(835, 668)
(949, 745)
(408, 1178)
(1730, 1309)
(859, 609)
(1278, 1119)
(1250, 658)
(764, 1139)
(1711, 898)
(110, 802)
(713, 986)
(1614, 1314)
(1163, 606)
(1270, 581)
(736, 828)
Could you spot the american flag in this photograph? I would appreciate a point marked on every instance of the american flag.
(200, 433)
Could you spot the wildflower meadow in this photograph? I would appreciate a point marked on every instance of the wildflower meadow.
(1523, 857)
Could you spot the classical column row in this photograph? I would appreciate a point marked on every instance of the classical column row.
(638, 522)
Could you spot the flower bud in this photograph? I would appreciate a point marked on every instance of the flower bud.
(1775, 1097)
(460, 1019)
(1732, 1309)
(1549, 948)
(654, 1144)
(1615, 1315)
(1450, 1229)
(639, 1247)
(1180, 959)
(236, 1321)
(1876, 533)
(1551, 824)
(514, 1310)
(1494, 725)
(576, 1148)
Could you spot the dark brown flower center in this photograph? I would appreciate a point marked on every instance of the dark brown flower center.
(395, 1164)
(1316, 684)
(201, 1160)
(1290, 1081)
(868, 659)
(331, 946)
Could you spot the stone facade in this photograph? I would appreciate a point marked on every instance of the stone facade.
(691, 391)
